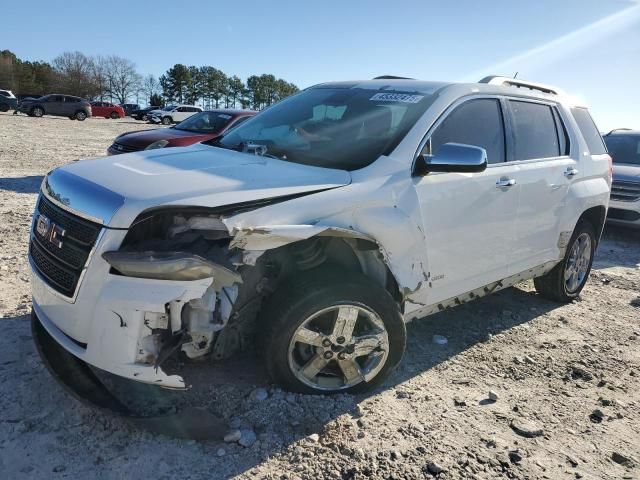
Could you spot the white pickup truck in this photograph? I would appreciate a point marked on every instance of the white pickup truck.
(315, 230)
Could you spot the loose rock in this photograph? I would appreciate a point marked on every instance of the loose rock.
(493, 396)
(247, 438)
(233, 436)
(526, 429)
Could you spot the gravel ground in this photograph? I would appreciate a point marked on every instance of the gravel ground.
(524, 388)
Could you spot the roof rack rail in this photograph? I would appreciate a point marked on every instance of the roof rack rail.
(514, 82)
(392, 77)
(616, 130)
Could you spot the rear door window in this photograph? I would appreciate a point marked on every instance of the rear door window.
(589, 131)
(534, 130)
(476, 122)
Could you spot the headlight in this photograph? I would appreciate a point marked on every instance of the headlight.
(170, 266)
(158, 144)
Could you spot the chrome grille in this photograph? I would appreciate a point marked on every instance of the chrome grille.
(60, 262)
(625, 191)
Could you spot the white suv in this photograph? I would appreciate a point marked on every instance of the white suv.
(315, 230)
(172, 114)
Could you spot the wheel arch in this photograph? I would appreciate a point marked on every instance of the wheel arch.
(596, 216)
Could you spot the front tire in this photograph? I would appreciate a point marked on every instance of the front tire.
(81, 116)
(332, 332)
(567, 279)
(4, 107)
(167, 120)
(37, 112)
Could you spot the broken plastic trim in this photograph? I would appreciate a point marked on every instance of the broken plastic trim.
(79, 380)
(170, 266)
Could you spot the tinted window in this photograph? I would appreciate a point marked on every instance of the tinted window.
(589, 131)
(4, 93)
(624, 148)
(476, 122)
(534, 129)
(71, 99)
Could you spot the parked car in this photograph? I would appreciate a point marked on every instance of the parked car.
(75, 108)
(312, 232)
(106, 110)
(129, 107)
(624, 148)
(141, 114)
(8, 101)
(200, 127)
(172, 114)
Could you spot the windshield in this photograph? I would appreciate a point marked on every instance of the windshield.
(333, 127)
(624, 148)
(205, 122)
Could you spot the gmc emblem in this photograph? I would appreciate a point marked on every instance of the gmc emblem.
(49, 231)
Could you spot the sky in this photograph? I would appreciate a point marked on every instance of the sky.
(589, 48)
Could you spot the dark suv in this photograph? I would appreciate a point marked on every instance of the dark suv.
(75, 108)
(624, 148)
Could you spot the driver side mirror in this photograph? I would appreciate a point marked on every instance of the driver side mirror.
(452, 157)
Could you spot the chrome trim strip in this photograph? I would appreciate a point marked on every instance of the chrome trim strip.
(82, 197)
(67, 208)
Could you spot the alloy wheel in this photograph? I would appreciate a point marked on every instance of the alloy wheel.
(578, 263)
(339, 347)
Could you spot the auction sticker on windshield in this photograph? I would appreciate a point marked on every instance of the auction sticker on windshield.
(396, 97)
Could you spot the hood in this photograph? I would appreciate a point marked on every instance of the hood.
(626, 173)
(144, 138)
(116, 189)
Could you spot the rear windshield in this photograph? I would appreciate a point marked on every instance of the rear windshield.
(345, 128)
(589, 131)
(624, 148)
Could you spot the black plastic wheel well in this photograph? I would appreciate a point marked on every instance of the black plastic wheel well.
(341, 254)
(596, 216)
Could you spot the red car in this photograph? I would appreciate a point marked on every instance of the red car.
(197, 128)
(106, 110)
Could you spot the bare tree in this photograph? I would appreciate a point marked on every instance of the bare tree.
(76, 74)
(123, 81)
(150, 87)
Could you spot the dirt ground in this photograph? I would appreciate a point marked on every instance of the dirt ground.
(566, 377)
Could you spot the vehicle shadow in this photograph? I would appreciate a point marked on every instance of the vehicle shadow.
(225, 389)
(27, 184)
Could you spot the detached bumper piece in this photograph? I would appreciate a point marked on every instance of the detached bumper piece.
(83, 384)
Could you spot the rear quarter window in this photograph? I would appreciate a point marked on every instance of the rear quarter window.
(589, 131)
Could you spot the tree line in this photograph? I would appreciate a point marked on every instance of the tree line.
(116, 79)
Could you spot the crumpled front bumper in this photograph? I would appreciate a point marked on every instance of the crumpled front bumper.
(118, 323)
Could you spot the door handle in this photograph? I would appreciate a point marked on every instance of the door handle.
(505, 182)
(570, 172)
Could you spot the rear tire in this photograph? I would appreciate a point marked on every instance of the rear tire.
(144, 118)
(37, 112)
(114, 115)
(567, 279)
(302, 326)
(80, 116)
(4, 107)
(167, 120)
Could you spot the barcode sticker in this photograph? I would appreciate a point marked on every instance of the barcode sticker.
(396, 97)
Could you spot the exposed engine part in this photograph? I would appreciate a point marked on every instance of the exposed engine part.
(204, 316)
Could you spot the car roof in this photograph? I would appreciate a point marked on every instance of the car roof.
(232, 111)
(623, 131)
(492, 85)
